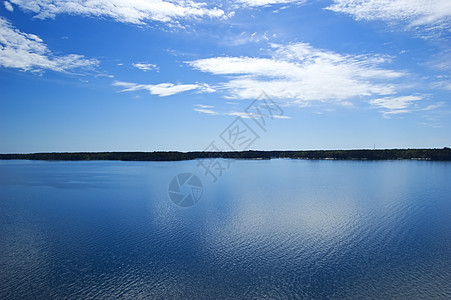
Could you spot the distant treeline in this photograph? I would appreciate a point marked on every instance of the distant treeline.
(420, 154)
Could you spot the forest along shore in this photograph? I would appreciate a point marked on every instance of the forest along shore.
(443, 154)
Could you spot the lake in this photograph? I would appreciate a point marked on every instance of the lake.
(273, 229)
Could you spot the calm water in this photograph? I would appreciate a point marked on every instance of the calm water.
(266, 229)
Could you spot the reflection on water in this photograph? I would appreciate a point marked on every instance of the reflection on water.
(266, 229)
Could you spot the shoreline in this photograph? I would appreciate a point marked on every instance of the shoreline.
(443, 154)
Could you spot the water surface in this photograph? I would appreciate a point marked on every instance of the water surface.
(266, 229)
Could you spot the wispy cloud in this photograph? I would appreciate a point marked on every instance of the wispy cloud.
(434, 106)
(424, 13)
(441, 61)
(207, 109)
(145, 67)
(8, 6)
(203, 106)
(405, 104)
(135, 12)
(163, 89)
(255, 3)
(246, 38)
(388, 114)
(395, 105)
(443, 84)
(434, 115)
(28, 52)
(299, 73)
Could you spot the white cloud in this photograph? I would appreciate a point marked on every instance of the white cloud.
(441, 61)
(126, 11)
(388, 114)
(299, 73)
(29, 53)
(8, 6)
(395, 103)
(163, 89)
(207, 109)
(430, 13)
(245, 38)
(443, 84)
(145, 67)
(203, 106)
(255, 3)
(403, 105)
(434, 106)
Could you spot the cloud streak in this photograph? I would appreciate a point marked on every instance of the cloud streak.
(396, 105)
(434, 106)
(28, 52)
(432, 14)
(207, 109)
(145, 67)
(163, 89)
(256, 3)
(135, 12)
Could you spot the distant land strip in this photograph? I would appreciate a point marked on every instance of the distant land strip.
(443, 154)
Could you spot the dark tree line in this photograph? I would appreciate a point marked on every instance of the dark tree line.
(422, 154)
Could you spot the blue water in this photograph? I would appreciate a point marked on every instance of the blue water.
(273, 229)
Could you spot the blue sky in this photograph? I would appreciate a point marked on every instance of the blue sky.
(149, 75)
